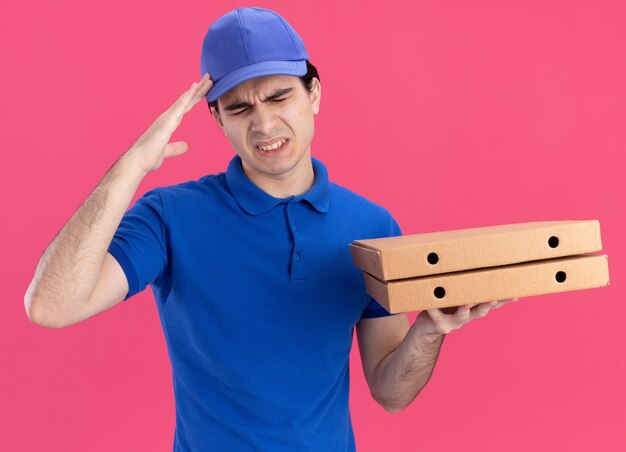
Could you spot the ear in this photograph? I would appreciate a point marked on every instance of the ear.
(217, 117)
(315, 95)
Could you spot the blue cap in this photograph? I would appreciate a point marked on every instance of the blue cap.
(247, 43)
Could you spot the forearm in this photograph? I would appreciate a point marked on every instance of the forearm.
(70, 266)
(404, 372)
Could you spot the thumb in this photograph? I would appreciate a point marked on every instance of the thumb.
(175, 149)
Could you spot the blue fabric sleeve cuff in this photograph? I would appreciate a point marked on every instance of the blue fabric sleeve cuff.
(129, 270)
(374, 310)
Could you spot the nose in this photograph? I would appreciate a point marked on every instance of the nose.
(263, 120)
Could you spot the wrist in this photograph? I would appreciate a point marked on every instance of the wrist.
(129, 162)
(426, 329)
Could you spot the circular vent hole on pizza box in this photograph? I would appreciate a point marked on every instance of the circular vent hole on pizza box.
(553, 241)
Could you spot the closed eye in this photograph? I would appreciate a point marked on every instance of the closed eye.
(273, 100)
(239, 112)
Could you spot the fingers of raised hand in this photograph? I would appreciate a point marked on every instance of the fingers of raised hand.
(189, 98)
(206, 83)
(199, 91)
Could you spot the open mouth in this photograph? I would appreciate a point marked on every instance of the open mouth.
(273, 148)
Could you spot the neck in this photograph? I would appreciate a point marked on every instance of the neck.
(294, 182)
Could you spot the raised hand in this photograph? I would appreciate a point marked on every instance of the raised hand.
(153, 146)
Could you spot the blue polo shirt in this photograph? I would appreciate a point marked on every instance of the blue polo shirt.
(258, 298)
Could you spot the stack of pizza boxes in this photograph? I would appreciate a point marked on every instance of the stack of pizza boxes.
(469, 266)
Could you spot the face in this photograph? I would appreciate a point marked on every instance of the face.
(265, 112)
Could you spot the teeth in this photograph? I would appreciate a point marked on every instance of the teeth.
(273, 146)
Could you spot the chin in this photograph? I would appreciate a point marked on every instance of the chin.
(275, 168)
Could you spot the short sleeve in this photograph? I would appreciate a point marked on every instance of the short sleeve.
(373, 308)
(139, 243)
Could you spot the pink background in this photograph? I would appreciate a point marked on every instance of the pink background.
(452, 114)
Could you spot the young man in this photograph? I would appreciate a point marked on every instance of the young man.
(251, 271)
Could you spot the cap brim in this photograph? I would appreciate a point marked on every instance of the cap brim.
(229, 81)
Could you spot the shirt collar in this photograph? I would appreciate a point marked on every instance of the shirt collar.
(254, 200)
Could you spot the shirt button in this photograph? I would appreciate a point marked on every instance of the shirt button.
(295, 227)
(297, 257)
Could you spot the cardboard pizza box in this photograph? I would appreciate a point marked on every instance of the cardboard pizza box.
(457, 250)
(490, 284)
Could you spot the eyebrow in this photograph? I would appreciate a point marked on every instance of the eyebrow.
(276, 94)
